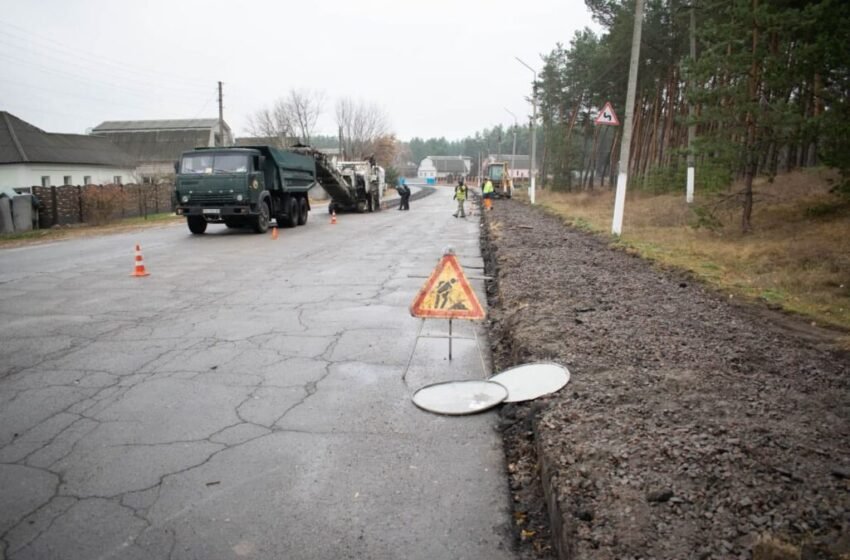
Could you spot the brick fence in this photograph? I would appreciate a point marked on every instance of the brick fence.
(67, 204)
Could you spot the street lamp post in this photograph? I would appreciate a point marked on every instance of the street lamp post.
(533, 122)
(513, 152)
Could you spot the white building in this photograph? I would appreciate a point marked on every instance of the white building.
(32, 157)
(444, 167)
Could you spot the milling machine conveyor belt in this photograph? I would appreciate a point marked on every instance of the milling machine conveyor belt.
(330, 178)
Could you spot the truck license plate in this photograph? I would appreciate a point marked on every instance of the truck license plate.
(211, 211)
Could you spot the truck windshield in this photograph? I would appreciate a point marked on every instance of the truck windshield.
(496, 172)
(214, 163)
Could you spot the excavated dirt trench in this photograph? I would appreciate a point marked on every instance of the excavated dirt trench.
(691, 427)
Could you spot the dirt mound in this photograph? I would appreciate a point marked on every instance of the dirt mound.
(691, 427)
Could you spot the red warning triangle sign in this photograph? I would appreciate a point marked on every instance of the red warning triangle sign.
(447, 294)
(607, 116)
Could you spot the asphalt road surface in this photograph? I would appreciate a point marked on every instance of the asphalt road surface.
(248, 399)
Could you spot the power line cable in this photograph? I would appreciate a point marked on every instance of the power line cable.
(76, 78)
(38, 59)
(26, 35)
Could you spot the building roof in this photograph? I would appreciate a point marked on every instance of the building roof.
(158, 146)
(172, 124)
(451, 164)
(521, 161)
(21, 142)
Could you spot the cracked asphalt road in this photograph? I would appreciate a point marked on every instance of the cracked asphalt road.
(249, 399)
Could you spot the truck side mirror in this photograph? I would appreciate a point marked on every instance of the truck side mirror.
(176, 167)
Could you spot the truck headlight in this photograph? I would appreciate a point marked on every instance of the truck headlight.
(238, 198)
(185, 198)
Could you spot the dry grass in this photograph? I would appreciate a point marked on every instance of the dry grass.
(771, 548)
(798, 256)
(83, 230)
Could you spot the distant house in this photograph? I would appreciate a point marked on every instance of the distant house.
(520, 165)
(157, 144)
(31, 157)
(444, 167)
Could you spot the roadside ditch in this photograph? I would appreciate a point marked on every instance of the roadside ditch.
(691, 428)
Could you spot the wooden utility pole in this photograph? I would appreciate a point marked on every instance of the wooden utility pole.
(220, 115)
(625, 145)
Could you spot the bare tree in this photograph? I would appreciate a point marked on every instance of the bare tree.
(361, 124)
(272, 123)
(304, 107)
(291, 117)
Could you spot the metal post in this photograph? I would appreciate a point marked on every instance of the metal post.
(450, 340)
(625, 145)
(533, 141)
(531, 191)
(513, 152)
(692, 127)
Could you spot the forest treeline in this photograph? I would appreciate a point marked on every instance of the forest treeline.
(767, 89)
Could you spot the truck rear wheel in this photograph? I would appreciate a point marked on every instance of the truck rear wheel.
(197, 224)
(291, 213)
(302, 211)
(261, 225)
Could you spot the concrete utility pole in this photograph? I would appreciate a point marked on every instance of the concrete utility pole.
(692, 127)
(533, 122)
(220, 115)
(626, 143)
(513, 152)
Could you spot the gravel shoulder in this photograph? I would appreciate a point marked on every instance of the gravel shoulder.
(692, 426)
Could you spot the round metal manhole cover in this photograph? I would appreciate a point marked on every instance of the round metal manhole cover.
(529, 381)
(459, 397)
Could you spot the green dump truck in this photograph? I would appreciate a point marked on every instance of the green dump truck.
(245, 186)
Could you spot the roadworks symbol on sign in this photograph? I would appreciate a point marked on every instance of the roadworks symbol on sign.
(447, 294)
(607, 116)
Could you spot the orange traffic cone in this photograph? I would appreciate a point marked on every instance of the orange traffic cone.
(333, 217)
(274, 233)
(140, 263)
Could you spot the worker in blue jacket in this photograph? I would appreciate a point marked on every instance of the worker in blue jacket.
(404, 194)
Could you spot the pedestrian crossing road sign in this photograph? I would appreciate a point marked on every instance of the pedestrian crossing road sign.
(447, 294)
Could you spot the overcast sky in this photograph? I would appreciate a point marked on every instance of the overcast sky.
(438, 68)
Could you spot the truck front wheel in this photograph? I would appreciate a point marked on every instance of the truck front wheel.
(262, 223)
(197, 224)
